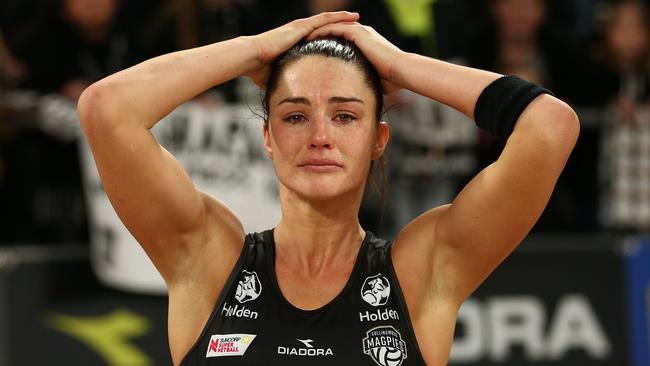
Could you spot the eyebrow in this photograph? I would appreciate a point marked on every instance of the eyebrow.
(302, 100)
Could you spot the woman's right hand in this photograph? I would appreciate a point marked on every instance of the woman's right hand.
(272, 43)
(378, 50)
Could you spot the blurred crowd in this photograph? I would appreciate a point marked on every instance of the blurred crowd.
(594, 54)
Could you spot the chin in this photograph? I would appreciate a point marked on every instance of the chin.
(320, 190)
(324, 196)
(321, 193)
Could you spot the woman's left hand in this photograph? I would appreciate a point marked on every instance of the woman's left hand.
(382, 54)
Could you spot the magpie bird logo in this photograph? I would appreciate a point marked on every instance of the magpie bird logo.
(376, 290)
(249, 287)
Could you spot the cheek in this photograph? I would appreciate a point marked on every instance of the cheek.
(359, 143)
(286, 144)
(358, 146)
(354, 143)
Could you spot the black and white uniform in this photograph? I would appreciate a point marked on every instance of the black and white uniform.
(253, 324)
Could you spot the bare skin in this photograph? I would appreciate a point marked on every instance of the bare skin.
(440, 257)
(319, 205)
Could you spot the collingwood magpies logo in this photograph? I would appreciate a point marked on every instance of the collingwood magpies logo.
(376, 290)
(385, 346)
(249, 287)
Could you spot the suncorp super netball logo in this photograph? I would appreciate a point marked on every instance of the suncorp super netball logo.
(385, 346)
(229, 344)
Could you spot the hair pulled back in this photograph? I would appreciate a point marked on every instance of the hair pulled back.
(337, 48)
(346, 51)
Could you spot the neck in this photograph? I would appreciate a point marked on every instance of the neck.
(314, 235)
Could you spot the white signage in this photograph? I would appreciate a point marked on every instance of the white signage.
(493, 328)
(222, 150)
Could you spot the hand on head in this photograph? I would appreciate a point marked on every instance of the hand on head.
(273, 43)
(381, 53)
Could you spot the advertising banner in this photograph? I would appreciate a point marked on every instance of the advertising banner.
(547, 305)
(57, 314)
(637, 266)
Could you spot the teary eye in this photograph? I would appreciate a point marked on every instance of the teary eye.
(345, 117)
(294, 118)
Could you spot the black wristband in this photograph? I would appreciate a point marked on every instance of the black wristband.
(501, 103)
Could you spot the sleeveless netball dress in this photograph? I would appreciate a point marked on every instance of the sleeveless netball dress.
(253, 324)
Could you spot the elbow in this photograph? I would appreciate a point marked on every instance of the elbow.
(93, 107)
(558, 126)
(84, 105)
(567, 125)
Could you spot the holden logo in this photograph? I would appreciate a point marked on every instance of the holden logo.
(249, 287)
(376, 290)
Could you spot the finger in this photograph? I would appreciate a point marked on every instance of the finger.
(322, 19)
(345, 30)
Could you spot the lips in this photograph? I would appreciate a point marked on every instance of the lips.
(320, 164)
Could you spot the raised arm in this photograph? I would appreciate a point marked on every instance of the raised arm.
(192, 238)
(152, 194)
(450, 250)
(148, 188)
(499, 206)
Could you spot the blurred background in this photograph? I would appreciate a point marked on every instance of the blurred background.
(75, 288)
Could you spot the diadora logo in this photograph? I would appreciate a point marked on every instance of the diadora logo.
(376, 290)
(238, 312)
(307, 349)
(307, 342)
(385, 346)
(229, 344)
(378, 315)
(249, 287)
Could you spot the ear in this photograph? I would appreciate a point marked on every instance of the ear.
(267, 139)
(381, 140)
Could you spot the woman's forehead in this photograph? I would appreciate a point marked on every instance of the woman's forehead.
(320, 77)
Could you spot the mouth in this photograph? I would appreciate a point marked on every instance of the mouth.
(320, 165)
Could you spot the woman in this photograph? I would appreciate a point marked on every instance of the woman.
(318, 288)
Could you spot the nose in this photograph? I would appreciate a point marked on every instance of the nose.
(321, 136)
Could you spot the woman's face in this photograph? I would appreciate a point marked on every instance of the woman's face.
(322, 131)
(519, 20)
(627, 34)
(90, 14)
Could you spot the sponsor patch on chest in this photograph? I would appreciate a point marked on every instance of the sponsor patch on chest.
(376, 290)
(385, 346)
(229, 344)
(306, 348)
